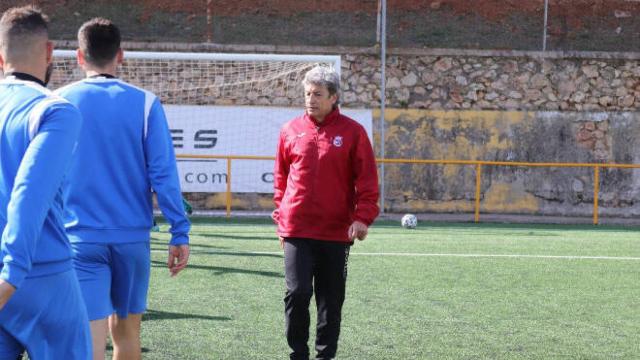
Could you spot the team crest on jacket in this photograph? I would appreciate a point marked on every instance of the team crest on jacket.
(337, 141)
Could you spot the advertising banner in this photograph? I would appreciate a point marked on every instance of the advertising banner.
(233, 130)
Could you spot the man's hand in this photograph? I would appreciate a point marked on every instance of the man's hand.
(275, 215)
(178, 258)
(281, 242)
(358, 230)
(6, 290)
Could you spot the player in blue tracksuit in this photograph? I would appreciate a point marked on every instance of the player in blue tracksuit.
(41, 307)
(124, 150)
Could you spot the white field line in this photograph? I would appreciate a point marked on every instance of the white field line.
(515, 256)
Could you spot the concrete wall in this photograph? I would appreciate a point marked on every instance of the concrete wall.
(518, 136)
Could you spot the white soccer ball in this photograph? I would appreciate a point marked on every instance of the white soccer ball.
(409, 221)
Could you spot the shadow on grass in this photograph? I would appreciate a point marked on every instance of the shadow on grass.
(220, 270)
(163, 244)
(212, 220)
(384, 224)
(247, 254)
(150, 315)
(435, 231)
(217, 220)
(143, 349)
(236, 237)
(214, 236)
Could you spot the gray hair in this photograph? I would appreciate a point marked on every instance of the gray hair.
(326, 76)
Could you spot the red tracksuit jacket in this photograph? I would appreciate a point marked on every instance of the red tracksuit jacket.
(325, 178)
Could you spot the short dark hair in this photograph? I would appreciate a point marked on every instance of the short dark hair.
(99, 41)
(19, 22)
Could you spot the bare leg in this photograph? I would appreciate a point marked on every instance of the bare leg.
(99, 330)
(125, 333)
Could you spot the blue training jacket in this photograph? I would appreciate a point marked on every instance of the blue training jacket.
(38, 132)
(124, 151)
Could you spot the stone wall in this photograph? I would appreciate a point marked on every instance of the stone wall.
(526, 107)
(487, 105)
(436, 79)
(517, 82)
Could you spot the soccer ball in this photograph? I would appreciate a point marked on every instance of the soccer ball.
(409, 221)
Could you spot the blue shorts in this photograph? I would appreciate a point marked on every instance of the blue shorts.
(113, 277)
(46, 317)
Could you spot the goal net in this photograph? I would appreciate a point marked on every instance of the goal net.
(217, 105)
(209, 79)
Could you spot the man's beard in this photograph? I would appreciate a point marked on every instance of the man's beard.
(47, 75)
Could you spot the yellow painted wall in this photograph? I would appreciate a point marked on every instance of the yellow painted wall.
(450, 135)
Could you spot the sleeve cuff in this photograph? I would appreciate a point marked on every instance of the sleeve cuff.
(177, 240)
(14, 275)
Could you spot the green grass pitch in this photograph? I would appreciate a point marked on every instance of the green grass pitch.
(442, 291)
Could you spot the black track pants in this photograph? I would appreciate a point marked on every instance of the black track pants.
(320, 266)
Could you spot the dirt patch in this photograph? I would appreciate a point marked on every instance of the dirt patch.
(570, 15)
(496, 10)
(264, 7)
(596, 25)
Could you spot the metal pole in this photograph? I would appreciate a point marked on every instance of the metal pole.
(596, 193)
(209, 30)
(476, 216)
(383, 98)
(378, 22)
(228, 199)
(544, 31)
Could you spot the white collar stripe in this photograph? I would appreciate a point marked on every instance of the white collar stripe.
(35, 117)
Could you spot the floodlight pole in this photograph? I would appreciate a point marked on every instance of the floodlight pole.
(383, 98)
(544, 31)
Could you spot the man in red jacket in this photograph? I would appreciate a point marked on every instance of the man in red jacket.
(326, 194)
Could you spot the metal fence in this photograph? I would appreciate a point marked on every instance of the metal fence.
(576, 25)
(478, 165)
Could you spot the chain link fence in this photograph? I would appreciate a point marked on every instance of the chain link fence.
(572, 25)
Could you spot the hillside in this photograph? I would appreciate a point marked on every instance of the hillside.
(611, 25)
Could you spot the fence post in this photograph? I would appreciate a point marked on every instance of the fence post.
(228, 187)
(209, 22)
(544, 31)
(478, 182)
(383, 98)
(596, 191)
